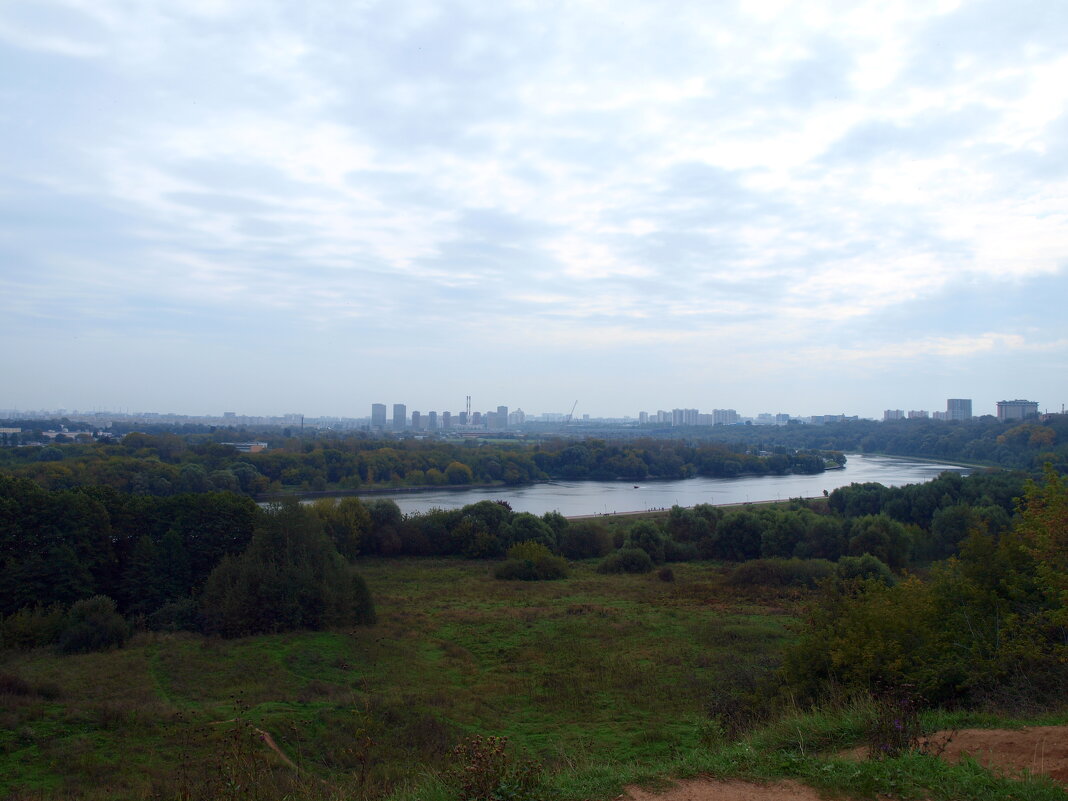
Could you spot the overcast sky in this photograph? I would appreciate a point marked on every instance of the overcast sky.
(808, 207)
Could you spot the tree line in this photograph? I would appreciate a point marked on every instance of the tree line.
(988, 626)
(145, 552)
(213, 562)
(169, 464)
(1022, 445)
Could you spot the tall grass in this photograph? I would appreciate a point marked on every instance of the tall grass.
(604, 679)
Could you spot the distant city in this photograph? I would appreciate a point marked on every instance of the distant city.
(397, 419)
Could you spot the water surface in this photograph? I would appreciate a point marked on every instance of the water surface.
(572, 498)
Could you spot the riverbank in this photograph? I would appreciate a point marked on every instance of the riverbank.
(597, 498)
(653, 514)
(310, 495)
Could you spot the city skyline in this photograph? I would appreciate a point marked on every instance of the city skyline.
(812, 207)
(441, 418)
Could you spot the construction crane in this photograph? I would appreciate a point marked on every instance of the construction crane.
(571, 413)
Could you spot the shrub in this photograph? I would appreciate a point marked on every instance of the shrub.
(93, 624)
(531, 561)
(483, 769)
(181, 615)
(529, 551)
(525, 527)
(680, 551)
(11, 684)
(665, 574)
(33, 626)
(628, 560)
(895, 727)
(780, 573)
(587, 539)
(647, 536)
(864, 567)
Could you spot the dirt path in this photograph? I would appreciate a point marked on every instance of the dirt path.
(733, 790)
(1037, 749)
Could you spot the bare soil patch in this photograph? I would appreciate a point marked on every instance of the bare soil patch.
(1037, 749)
(734, 790)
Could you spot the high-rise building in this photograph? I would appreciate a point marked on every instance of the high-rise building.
(417, 421)
(918, 414)
(959, 409)
(400, 416)
(502, 417)
(724, 417)
(1017, 409)
(446, 419)
(476, 418)
(893, 414)
(378, 415)
(432, 421)
(643, 418)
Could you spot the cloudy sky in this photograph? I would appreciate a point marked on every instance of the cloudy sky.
(270, 206)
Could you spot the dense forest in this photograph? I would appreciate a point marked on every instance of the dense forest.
(169, 464)
(984, 440)
(173, 559)
(197, 460)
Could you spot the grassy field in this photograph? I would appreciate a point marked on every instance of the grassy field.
(603, 679)
(604, 668)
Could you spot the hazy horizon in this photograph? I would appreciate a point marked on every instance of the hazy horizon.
(270, 207)
(977, 411)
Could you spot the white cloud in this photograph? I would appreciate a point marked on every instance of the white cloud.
(607, 173)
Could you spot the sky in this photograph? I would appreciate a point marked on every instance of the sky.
(272, 206)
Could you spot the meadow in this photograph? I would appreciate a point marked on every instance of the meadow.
(600, 679)
(594, 667)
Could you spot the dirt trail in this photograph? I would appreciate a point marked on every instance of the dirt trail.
(1037, 749)
(733, 790)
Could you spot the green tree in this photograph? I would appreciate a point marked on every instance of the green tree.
(647, 536)
(458, 473)
(290, 577)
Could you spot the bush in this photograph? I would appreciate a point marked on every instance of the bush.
(628, 560)
(525, 570)
(780, 573)
(531, 561)
(33, 626)
(181, 615)
(529, 551)
(864, 567)
(665, 574)
(484, 769)
(587, 539)
(647, 536)
(680, 551)
(93, 624)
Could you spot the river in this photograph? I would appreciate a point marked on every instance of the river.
(574, 498)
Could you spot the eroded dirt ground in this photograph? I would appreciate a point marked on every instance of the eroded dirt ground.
(1036, 749)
